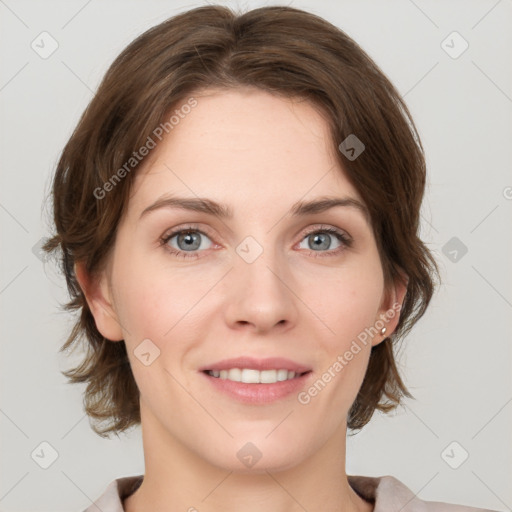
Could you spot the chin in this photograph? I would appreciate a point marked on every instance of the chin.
(255, 457)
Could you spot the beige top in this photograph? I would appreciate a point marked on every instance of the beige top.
(386, 493)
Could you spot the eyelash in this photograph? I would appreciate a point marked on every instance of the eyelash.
(342, 237)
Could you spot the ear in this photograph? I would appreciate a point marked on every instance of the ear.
(99, 298)
(389, 312)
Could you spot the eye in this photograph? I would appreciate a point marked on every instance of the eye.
(188, 240)
(322, 241)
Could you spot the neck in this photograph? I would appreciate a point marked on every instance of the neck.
(179, 479)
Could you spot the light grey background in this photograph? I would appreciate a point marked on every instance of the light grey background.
(457, 361)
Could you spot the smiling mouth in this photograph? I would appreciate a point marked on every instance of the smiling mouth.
(252, 376)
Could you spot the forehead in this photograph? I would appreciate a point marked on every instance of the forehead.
(245, 143)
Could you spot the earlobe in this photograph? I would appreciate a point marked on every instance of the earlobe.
(99, 299)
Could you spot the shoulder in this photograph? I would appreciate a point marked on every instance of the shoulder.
(112, 498)
(390, 494)
(386, 492)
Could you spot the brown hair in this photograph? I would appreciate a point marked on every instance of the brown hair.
(281, 50)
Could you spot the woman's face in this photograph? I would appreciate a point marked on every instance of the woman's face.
(263, 282)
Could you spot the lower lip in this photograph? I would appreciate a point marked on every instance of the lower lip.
(258, 393)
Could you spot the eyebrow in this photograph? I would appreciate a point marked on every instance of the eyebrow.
(210, 207)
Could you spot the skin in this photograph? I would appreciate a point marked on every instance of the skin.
(258, 154)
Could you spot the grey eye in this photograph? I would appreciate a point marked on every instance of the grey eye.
(321, 241)
(189, 241)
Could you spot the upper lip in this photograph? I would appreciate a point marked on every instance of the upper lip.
(271, 363)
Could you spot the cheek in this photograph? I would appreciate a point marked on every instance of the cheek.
(349, 308)
(157, 302)
(347, 301)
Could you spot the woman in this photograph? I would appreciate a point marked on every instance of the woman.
(238, 214)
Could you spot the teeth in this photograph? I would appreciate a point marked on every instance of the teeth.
(250, 376)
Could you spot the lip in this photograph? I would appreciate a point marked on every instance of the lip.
(270, 363)
(258, 393)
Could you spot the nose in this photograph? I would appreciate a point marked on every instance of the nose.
(260, 296)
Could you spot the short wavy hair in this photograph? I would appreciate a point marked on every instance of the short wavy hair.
(281, 50)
